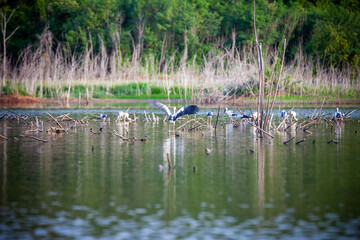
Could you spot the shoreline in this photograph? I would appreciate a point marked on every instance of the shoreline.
(29, 101)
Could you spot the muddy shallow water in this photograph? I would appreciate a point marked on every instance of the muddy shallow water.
(81, 185)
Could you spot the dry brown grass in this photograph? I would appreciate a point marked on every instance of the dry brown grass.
(224, 74)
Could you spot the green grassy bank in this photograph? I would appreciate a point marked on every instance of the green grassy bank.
(118, 91)
(144, 90)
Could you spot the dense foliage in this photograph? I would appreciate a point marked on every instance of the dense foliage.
(327, 30)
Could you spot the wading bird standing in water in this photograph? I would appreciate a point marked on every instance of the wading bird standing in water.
(230, 113)
(337, 113)
(338, 116)
(120, 115)
(192, 109)
(291, 114)
(209, 117)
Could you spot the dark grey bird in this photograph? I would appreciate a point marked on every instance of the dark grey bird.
(231, 114)
(192, 109)
(246, 116)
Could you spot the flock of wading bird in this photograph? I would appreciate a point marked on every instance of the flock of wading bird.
(63, 123)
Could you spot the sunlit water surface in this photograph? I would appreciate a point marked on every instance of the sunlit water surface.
(86, 186)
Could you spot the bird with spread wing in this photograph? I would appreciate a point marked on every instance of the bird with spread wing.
(192, 109)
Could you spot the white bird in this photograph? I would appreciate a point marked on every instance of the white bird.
(292, 114)
(121, 115)
(192, 109)
(255, 115)
(338, 114)
(230, 113)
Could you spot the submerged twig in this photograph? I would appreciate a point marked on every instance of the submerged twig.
(333, 141)
(122, 137)
(348, 114)
(56, 121)
(307, 132)
(35, 138)
(291, 124)
(92, 131)
(289, 140)
(197, 126)
(3, 137)
(300, 141)
(261, 130)
(283, 122)
(168, 160)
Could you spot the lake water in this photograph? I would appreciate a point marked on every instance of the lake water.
(81, 185)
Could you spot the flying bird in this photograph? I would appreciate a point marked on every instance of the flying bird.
(192, 109)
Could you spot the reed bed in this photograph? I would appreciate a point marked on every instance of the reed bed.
(223, 75)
